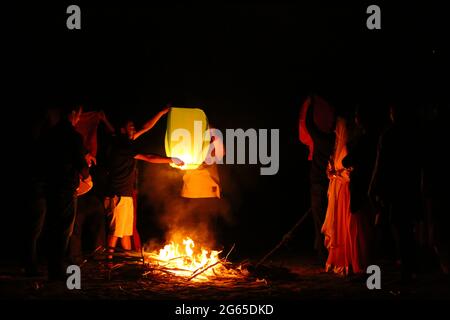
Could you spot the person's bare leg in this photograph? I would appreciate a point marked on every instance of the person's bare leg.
(126, 242)
(112, 242)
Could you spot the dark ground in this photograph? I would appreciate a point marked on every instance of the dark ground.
(286, 278)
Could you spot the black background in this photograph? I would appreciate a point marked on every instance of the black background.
(248, 65)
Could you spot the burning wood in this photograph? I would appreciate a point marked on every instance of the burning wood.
(193, 264)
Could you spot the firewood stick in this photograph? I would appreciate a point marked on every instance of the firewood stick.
(230, 251)
(174, 269)
(209, 267)
(285, 238)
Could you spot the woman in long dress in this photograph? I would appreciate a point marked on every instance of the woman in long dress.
(341, 229)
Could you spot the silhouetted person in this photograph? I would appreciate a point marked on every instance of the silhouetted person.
(436, 216)
(89, 229)
(90, 221)
(396, 182)
(360, 160)
(122, 181)
(38, 188)
(343, 230)
(65, 164)
(362, 153)
(323, 137)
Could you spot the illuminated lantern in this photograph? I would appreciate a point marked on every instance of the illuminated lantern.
(187, 136)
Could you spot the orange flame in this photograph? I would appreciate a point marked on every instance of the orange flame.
(185, 260)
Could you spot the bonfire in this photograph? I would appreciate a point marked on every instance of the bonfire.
(186, 260)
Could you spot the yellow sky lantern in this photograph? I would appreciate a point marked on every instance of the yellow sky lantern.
(187, 136)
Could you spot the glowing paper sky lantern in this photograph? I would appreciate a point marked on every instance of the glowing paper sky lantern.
(187, 136)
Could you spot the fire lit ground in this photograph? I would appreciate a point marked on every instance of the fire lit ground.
(171, 275)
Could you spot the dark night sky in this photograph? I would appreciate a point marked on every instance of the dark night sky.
(248, 66)
(225, 56)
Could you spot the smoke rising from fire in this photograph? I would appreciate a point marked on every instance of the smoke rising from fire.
(199, 218)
